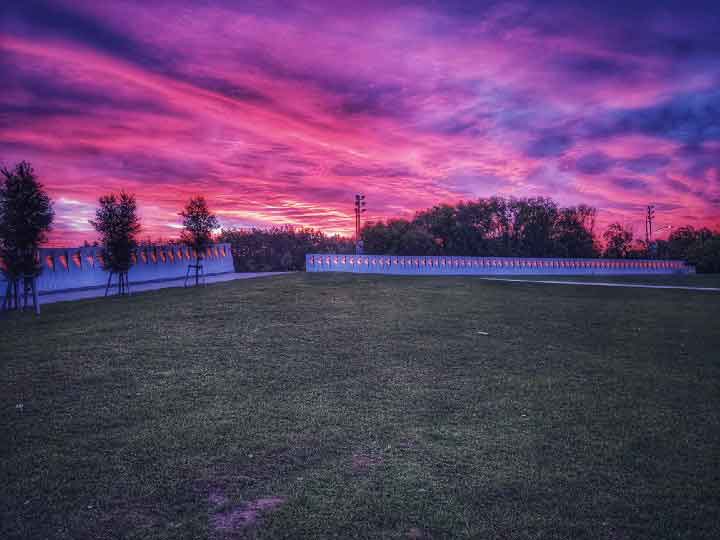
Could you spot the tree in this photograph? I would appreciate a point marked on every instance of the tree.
(475, 220)
(573, 232)
(398, 237)
(118, 224)
(26, 216)
(534, 224)
(699, 247)
(442, 224)
(198, 226)
(618, 242)
(680, 242)
(705, 253)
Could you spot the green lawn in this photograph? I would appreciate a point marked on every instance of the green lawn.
(315, 406)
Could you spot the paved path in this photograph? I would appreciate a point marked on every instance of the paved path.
(66, 296)
(606, 284)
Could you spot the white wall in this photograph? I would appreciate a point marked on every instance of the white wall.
(447, 265)
(77, 268)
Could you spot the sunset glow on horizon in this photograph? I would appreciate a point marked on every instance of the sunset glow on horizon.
(279, 112)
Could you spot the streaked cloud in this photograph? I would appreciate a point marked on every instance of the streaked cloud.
(279, 112)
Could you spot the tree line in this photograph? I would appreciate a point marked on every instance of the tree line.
(281, 248)
(495, 226)
(531, 227)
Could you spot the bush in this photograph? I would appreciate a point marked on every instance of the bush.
(279, 249)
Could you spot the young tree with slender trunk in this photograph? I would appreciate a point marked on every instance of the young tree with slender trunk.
(118, 224)
(198, 225)
(26, 216)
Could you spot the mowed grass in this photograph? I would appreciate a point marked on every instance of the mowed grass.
(369, 406)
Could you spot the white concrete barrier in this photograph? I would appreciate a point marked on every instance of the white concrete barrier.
(450, 265)
(66, 269)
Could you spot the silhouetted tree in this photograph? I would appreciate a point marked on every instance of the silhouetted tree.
(26, 216)
(398, 237)
(705, 253)
(680, 242)
(534, 226)
(117, 222)
(573, 232)
(198, 226)
(442, 225)
(618, 242)
(476, 227)
(700, 247)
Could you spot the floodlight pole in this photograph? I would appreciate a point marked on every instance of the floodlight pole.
(359, 209)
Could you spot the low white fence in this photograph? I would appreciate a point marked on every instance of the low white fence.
(79, 268)
(448, 265)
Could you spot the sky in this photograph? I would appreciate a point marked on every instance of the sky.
(279, 111)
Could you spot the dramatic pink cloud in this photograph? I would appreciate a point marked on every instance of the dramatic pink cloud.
(280, 112)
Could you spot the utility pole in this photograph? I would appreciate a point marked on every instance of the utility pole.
(648, 223)
(359, 209)
(648, 227)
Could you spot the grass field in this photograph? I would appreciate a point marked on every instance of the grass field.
(315, 406)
